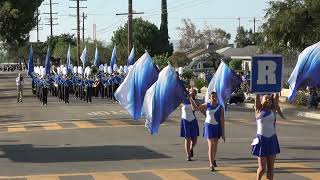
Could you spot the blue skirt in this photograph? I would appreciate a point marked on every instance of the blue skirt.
(189, 129)
(212, 131)
(265, 146)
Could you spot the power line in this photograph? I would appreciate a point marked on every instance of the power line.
(117, 22)
(182, 7)
(112, 28)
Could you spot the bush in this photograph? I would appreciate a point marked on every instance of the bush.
(286, 85)
(301, 98)
(235, 65)
(188, 74)
(199, 83)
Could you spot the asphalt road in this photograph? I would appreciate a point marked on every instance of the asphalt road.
(99, 141)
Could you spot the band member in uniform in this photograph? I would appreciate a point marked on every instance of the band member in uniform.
(213, 127)
(189, 125)
(266, 146)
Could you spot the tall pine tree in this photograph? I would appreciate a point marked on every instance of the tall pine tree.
(166, 47)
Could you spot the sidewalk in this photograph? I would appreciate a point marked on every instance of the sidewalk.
(301, 111)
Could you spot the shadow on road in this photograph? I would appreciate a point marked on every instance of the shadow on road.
(15, 89)
(30, 154)
(10, 118)
(312, 148)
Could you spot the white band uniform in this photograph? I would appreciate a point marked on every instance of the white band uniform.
(187, 112)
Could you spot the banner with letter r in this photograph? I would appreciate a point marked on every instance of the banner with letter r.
(266, 74)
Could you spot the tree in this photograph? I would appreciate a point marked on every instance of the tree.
(60, 51)
(179, 59)
(165, 47)
(17, 20)
(145, 37)
(291, 25)
(62, 39)
(191, 37)
(61, 48)
(235, 65)
(161, 60)
(244, 37)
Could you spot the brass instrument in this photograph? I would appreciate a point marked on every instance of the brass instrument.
(96, 83)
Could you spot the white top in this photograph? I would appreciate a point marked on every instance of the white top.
(187, 112)
(266, 125)
(210, 116)
(18, 82)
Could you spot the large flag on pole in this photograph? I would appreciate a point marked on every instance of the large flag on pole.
(131, 92)
(306, 72)
(131, 57)
(96, 58)
(30, 62)
(83, 56)
(113, 60)
(69, 59)
(48, 61)
(224, 82)
(162, 98)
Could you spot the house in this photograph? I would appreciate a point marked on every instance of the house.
(201, 61)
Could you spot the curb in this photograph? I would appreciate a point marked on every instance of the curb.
(309, 115)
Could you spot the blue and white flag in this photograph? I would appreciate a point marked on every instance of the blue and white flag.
(96, 58)
(69, 59)
(223, 83)
(48, 62)
(306, 72)
(30, 62)
(113, 60)
(131, 57)
(83, 56)
(131, 92)
(162, 98)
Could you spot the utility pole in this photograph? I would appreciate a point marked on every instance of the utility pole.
(94, 32)
(51, 24)
(37, 20)
(130, 29)
(239, 19)
(83, 18)
(254, 25)
(78, 27)
(130, 32)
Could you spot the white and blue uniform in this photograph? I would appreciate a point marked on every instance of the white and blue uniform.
(266, 142)
(212, 125)
(189, 127)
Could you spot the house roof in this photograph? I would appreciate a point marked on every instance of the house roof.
(247, 51)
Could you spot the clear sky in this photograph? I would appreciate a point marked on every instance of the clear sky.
(215, 13)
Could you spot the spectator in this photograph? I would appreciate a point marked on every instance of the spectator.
(313, 101)
(19, 83)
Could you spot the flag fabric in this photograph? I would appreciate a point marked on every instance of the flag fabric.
(162, 98)
(83, 56)
(96, 58)
(113, 60)
(306, 72)
(48, 61)
(30, 62)
(131, 57)
(69, 58)
(131, 92)
(223, 83)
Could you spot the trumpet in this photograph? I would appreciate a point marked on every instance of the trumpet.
(96, 83)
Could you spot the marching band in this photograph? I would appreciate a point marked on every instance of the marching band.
(82, 83)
